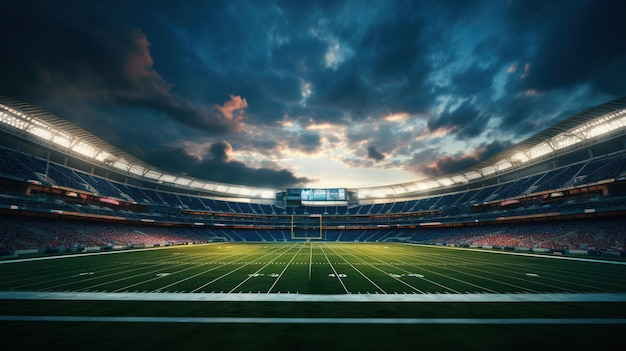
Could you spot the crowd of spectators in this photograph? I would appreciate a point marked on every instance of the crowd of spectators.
(577, 235)
(54, 235)
(59, 235)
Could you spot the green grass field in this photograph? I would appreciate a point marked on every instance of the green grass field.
(311, 295)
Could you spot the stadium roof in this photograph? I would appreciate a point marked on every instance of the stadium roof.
(48, 129)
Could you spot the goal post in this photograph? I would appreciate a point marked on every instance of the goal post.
(307, 230)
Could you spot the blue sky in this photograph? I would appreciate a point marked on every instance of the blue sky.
(313, 93)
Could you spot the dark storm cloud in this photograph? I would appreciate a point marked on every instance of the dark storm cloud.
(307, 142)
(388, 65)
(392, 47)
(218, 166)
(266, 76)
(578, 42)
(448, 164)
(373, 154)
(465, 121)
(83, 55)
(348, 93)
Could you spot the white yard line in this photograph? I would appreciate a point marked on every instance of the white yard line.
(260, 269)
(524, 254)
(188, 260)
(387, 274)
(422, 268)
(335, 271)
(310, 261)
(233, 271)
(76, 255)
(284, 269)
(201, 273)
(423, 278)
(495, 269)
(361, 273)
(71, 275)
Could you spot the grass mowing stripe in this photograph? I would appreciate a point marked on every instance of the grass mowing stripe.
(198, 274)
(260, 269)
(506, 275)
(372, 261)
(426, 279)
(391, 276)
(284, 269)
(472, 275)
(189, 260)
(335, 271)
(264, 320)
(361, 273)
(226, 274)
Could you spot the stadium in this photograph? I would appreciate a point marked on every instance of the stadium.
(527, 245)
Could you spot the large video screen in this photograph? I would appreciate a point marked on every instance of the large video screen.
(336, 194)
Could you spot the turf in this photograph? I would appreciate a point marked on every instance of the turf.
(314, 270)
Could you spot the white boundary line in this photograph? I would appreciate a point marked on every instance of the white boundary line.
(291, 297)
(262, 320)
(569, 258)
(83, 254)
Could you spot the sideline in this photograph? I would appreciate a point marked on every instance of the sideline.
(569, 258)
(295, 297)
(261, 320)
(83, 254)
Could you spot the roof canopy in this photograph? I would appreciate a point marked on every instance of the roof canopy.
(57, 132)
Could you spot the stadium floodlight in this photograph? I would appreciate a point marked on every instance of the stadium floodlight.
(471, 175)
(234, 190)
(168, 178)
(153, 174)
(61, 140)
(41, 132)
(459, 179)
(540, 150)
(182, 181)
(84, 149)
(421, 186)
(411, 187)
(503, 165)
(445, 181)
(196, 183)
(121, 164)
(431, 183)
(488, 170)
(102, 156)
(245, 191)
(221, 188)
(209, 186)
(135, 169)
(564, 140)
(376, 193)
(388, 191)
(520, 157)
(399, 189)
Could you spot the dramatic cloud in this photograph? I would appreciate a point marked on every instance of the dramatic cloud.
(373, 154)
(465, 121)
(448, 164)
(273, 92)
(215, 163)
(233, 109)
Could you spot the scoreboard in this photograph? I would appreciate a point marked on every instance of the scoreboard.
(316, 197)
